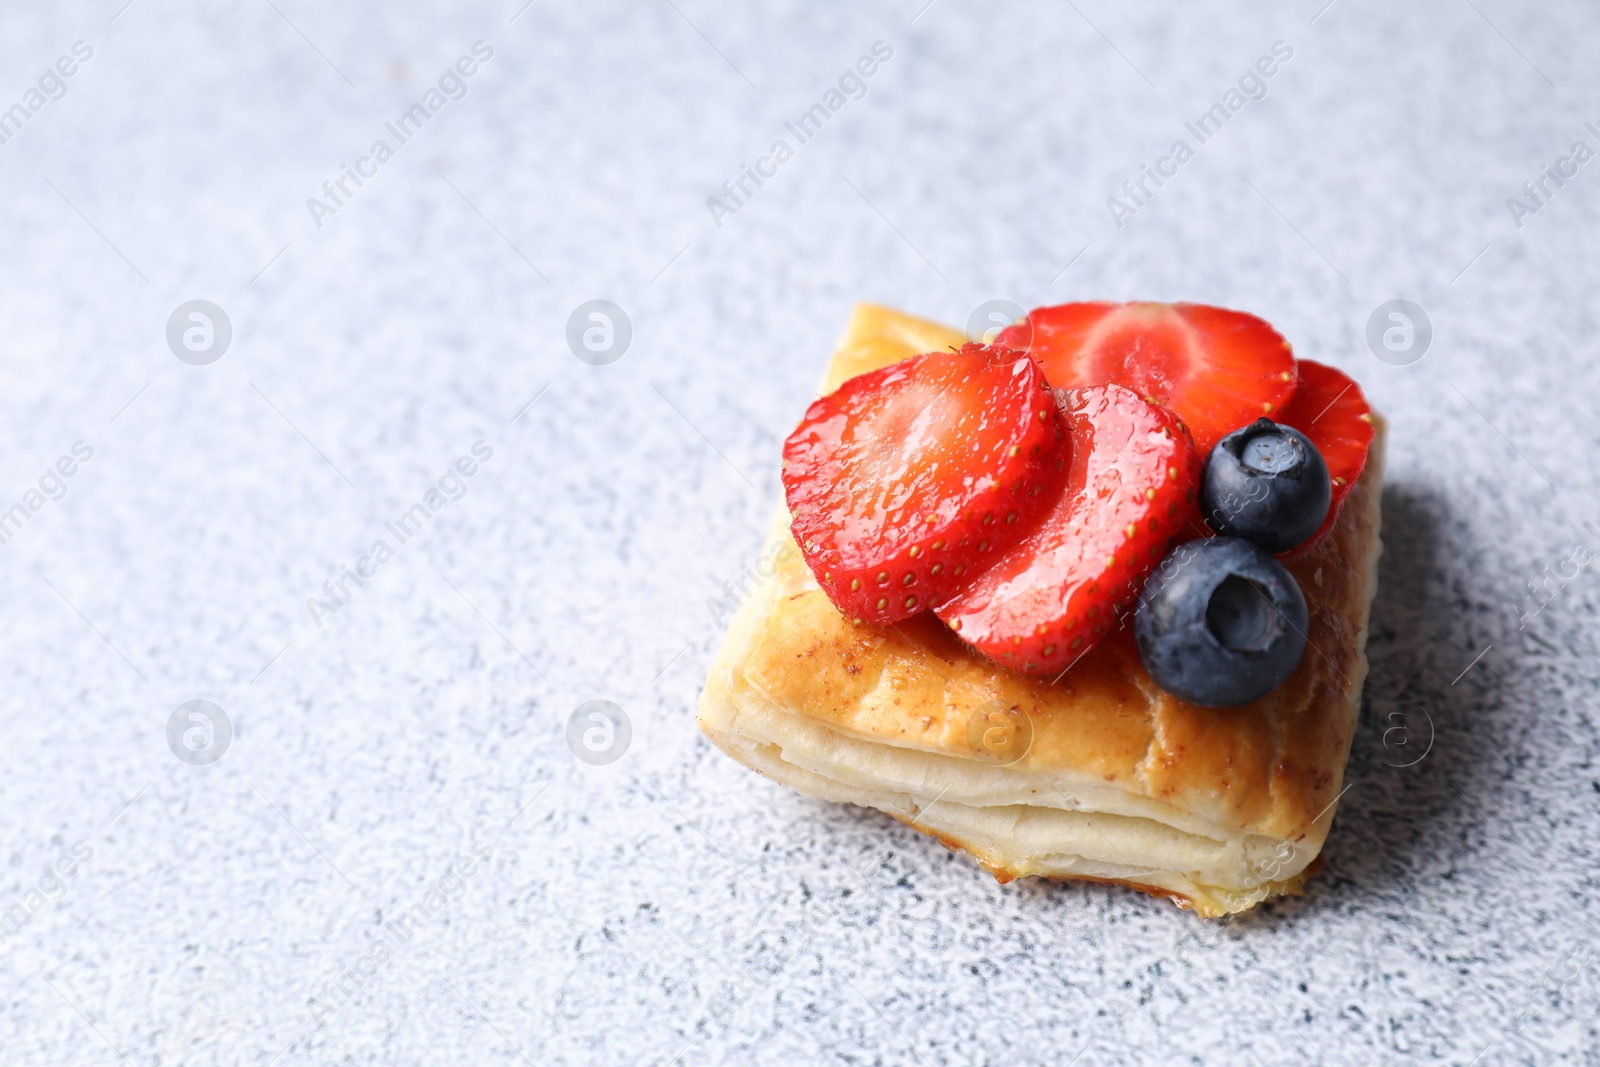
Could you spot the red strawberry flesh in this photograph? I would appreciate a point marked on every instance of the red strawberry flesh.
(1218, 369)
(908, 480)
(1328, 407)
(1127, 489)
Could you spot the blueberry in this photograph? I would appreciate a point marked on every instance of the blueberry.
(1265, 483)
(1220, 622)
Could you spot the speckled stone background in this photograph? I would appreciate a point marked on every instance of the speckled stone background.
(406, 755)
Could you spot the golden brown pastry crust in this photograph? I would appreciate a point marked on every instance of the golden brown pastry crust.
(1236, 784)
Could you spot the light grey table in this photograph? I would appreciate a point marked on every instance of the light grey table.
(397, 857)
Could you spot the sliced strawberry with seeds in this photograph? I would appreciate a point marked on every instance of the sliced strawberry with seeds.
(908, 480)
(1329, 408)
(1218, 369)
(1128, 488)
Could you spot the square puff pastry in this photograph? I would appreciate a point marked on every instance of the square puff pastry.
(1099, 775)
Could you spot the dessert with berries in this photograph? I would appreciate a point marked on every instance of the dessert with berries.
(1088, 602)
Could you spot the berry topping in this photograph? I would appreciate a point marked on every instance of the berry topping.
(1267, 484)
(907, 481)
(1130, 481)
(1220, 622)
(1218, 369)
(1329, 409)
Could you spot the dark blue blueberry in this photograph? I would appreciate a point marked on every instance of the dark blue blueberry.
(1220, 622)
(1265, 483)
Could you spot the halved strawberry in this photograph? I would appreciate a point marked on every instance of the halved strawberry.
(1329, 408)
(908, 480)
(1130, 483)
(1218, 369)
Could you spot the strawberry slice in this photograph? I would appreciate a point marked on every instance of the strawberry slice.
(1218, 369)
(1329, 408)
(908, 480)
(1129, 486)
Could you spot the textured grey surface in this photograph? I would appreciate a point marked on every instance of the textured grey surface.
(670, 907)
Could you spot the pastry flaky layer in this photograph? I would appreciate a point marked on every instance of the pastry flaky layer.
(1098, 774)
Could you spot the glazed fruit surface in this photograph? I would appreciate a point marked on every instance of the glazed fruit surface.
(906, 481)
(1131, 478)
(1027, 520)
(1217, 369)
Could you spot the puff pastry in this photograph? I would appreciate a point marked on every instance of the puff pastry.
(1099, 775)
